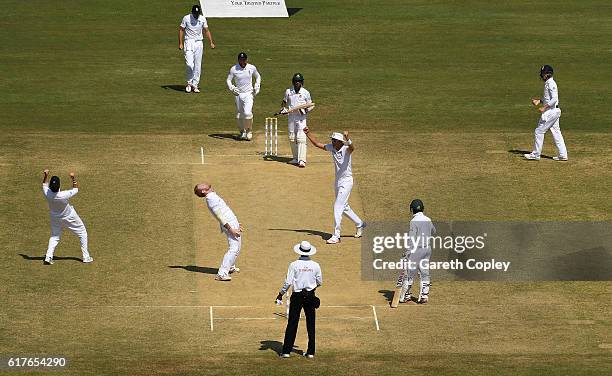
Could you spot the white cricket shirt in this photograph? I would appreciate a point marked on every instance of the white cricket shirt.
(421, 230)
(303, 274)
(193, 27)
(294, 99)
(219, 209)
(58, 201)
(342, 161)
(243, 77)
(551, 94)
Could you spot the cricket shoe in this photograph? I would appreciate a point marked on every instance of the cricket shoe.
(293, 162)
(308, 356)
(196, 89)
(242, 135)
(48, 261)
(234, 269)
(301, 164)
(249, 136)
(560, 159)
(223, 278)
(532, 157)
(87, 260)
(359, 232)
(188, 88)
(285, 355)
(423, 300)
(407, 300)
(333, 240)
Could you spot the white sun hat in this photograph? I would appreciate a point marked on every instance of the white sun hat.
(304, 249)
(337, 136)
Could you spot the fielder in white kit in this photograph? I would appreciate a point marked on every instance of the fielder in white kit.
(229, 226)
(549, 118)
(341, 148)
(240, 83)
(296, 96)
(419, 253)
(63, 215)
(191, 42)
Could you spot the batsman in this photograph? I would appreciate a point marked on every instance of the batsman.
(297, 96)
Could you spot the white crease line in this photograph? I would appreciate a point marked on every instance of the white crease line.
(211, 319)
(246, 318)
(375, 318)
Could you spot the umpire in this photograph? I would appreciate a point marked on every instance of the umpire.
(305, 276)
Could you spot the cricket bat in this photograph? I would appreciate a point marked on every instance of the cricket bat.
(310, 106)
(398, 289)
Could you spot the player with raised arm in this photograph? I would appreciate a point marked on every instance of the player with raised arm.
(341, 148)
(62, 215)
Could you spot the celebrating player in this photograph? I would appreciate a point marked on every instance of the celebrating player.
(190, 30)
(63, 215)
(296, 96)
(341, 148)
(549, 118)
(421, 230)
(229, 226)
(242, 74)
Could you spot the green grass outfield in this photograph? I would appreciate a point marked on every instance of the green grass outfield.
(436, 95)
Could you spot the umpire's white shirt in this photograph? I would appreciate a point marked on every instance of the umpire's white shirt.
(342, 161)
(193, 27)
(58, 201)
(303, 274)
(243, 77)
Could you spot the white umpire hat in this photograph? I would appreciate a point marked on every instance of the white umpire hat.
(304, 249)
(337, 136)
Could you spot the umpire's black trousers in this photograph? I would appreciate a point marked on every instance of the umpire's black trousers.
(306, 300)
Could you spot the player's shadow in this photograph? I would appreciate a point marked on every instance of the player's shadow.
(292, 11)
(323, 235)
(276, 158)
(225, 136)
(522, 152)
(277, 347)
(196, 269)
(174, 87)
(55, 258)
(388, 294)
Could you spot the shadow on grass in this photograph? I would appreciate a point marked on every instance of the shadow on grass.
(174, 87)
(277, 347)
(55, 258)
(521, 152)
(323, 235)
(275, 158)
(388, 294)
(195, 269)
(225, 136)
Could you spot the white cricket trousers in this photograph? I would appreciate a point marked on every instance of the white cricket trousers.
(418, 261)
(193, 50)
(549, 120)
(233, 250)
(298, 139)
(244, 105)
(72, 222)
(341, 206)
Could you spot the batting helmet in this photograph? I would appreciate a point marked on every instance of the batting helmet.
(546, 72)
(297, 78)
(416, 206)
(54, 184)
(242, 55)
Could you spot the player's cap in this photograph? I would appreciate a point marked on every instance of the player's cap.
(54, 183)
(337, 136)
(546, 69)
(196, 9)
(242, 55)
(304, 249)
(416, 206)
(298, 77)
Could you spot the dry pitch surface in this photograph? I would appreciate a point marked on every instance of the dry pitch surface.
(144, 305)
